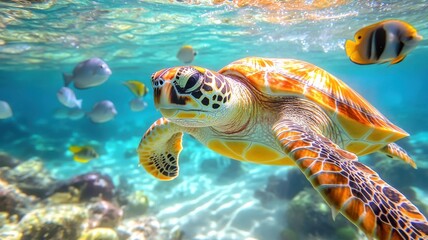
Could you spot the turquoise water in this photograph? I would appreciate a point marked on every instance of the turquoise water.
(213, 198)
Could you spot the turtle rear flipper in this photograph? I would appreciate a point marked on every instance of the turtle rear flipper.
(350, 187)
(159, 149)
(394, 151)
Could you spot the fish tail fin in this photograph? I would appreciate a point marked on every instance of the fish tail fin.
(74, 149)
(67, 79)
(79, 103)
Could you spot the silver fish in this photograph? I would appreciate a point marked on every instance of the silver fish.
(67, 97)
(5, 110)
(137, 104)
(89, 73)
(102, 112)
(75, 114)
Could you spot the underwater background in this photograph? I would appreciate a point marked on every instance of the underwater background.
(214, 197)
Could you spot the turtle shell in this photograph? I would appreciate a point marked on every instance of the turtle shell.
(365, 127)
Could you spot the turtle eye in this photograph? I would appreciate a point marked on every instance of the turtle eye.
(188, 80)
(192, 81)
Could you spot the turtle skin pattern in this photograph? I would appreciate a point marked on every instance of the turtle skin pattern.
(351, 187)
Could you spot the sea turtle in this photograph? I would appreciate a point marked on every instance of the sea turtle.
(285, 112)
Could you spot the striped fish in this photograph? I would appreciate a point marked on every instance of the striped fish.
(385, 41)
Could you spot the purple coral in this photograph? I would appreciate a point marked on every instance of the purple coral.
(90, 185)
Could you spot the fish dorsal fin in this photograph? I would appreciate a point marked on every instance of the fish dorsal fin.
(75, 149)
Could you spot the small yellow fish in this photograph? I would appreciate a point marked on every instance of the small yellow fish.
(83, 154)
(186, 54)
(137, 88)
(385, 41)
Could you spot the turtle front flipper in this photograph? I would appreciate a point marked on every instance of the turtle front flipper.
(394, 151)
(159, 149)
(351, 187)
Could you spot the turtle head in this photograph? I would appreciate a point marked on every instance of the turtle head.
(191, 96)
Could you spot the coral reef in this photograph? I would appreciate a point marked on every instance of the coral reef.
(8, 161)
(85, 207)
(72, 196)
(104, 214)
(389, 170)
(283, 188)
(30, 177)
(198, 206)
(13, 201)
(52, 223)
(9, 230)
(142, 228)
(90, 185)
(308, 216)
(124, 188)
(100, 234)
(177, 234)
(137, 204)
(231, 172)
(223, 169)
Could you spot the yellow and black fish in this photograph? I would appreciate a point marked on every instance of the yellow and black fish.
(137, 88)
(83, 154)
(385, 41)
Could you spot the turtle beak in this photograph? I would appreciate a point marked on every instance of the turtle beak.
(166, 96)
(162, 95)
(165, 93)
(157, 93)
(159, 84)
